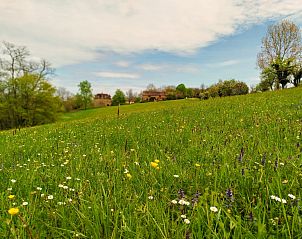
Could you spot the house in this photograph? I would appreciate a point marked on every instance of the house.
(153, 95)
(102, 100)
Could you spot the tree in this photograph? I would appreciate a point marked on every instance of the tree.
(181, 90)
(118, 98)
(297, 74)
(130, 96)
(27, 98)
(281, 50)
(151, 87)
(85, 94)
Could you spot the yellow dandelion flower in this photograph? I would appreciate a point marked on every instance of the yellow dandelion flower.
(129, 175)
(11, 196)
(156, 161)
(197, 165)
(13, 211)
(285, 181)
(157, 168)
(154, 165)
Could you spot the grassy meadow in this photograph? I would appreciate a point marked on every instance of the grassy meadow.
(221, 168)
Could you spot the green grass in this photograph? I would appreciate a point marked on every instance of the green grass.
(109, 162)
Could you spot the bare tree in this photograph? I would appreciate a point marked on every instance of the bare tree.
(281, 50)
(151, 87)
(282, 41)
(14, 63)
(130, 95)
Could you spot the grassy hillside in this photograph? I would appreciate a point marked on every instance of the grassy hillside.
(231, 166)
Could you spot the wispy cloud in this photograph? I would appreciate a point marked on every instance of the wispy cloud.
(223, 63)
(122, 63)
(121, 75)
(60, 32)
(151, 67)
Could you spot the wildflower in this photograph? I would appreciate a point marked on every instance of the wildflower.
(174, 201)
(65, 187)
(154, 165)
(129, 175)
(195, 198)
(283, 200)
(61, 185)
(9, 189)
(156, 161)
(176, 176)
(42, 195)
(284, 181)
(181, 202)
(187, 203)
(69, 200)
(151, 197)
(229, 194)
(13, 180)
(126, 171)
(292, 196)
(24, 203)
(50, 197)
(13, 211)
(183, 216)
(68, 178)
(214, 209)
(187, 221)
(38, 188)
(273, 197)
(181, 193)
(60, 203)
(136, 163)
(197, 165)
(11, 196)
(278, 199)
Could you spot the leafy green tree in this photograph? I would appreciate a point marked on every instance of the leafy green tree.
(118, 98)
(297, 75)
(181, 91)
(85, 94)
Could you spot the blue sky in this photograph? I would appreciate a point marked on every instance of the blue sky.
(128, 44)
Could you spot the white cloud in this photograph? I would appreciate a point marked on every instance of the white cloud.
(121, 75)
(223, 63)
(124, 64)
(151, 67)
(67, 32)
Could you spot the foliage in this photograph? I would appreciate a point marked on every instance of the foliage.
(85, 95)
(228, 88)
(181, 91)
(118, 98)
(227, 163)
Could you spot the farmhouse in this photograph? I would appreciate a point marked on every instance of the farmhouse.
(102, 100)
(153, 95)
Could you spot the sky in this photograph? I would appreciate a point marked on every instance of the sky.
(128, 44)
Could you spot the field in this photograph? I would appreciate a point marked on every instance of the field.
(221, 168)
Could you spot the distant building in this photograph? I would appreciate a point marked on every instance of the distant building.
(152, 95)
(102, 100)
